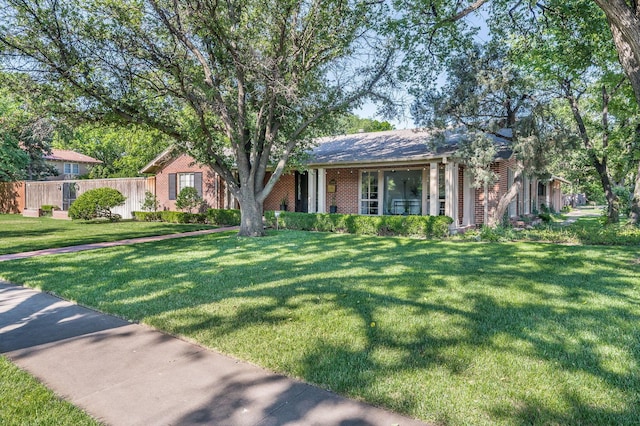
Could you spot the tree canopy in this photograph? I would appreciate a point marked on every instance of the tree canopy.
(242, 85)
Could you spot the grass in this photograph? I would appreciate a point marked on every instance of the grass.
(451, 332)
(19, 234)
(25, 401)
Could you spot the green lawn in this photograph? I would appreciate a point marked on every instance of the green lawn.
(25, 401)
(19, 234)
(453, 332)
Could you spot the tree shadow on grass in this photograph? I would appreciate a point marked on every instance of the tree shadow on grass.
(436, 306)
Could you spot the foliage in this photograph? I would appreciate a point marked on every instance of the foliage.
(351, 123)
(242, 85)
(449, 332)
(25, 136)
(226, 217)
(123, 149)
(13, 160)
(146, 216)
(150, 203)
(97, 203)
(416, 226)
(26, 401)
(188, 199)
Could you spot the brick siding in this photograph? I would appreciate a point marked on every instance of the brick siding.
(213, 188)
(346, 194)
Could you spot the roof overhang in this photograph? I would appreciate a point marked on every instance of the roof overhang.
(160, 161)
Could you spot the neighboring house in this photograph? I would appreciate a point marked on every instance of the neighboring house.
(70, 164)
(174, 172)
(383, 173)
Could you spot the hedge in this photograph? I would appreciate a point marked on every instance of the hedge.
(414, 226)
(213, 216)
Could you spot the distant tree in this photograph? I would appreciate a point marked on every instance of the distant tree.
(123, 150)
(351, 123)
(25, 134)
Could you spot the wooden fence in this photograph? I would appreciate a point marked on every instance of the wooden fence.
(62, 193)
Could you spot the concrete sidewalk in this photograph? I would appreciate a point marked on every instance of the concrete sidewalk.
(128, 374)
(94, 246)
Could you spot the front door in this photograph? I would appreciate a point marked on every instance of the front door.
(69, 194)
(302, 192)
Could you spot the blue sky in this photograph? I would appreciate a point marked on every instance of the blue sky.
(369, 109)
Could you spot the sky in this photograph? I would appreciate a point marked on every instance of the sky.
(369, 109)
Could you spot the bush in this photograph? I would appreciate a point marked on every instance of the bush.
(97, 203)
(47, 209)
(417, 226)
(147, 216)
(188, 199)
(182, 217)
(229, 217)
(150, 203)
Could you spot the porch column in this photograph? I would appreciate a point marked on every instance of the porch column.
(451, 191)
(322, 191)
(547, 194)
(426, 190)
(526, 185)
(469, 200)
(312, 185)
(433, 189)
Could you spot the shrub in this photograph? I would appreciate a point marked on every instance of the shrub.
(47, 209)
(229, 217)
(182, 217)
(150, 203)
(188, 199)
(97, 203)
(147, 216)
(418, 226)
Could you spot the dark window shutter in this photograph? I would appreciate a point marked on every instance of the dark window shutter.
(172, 186)
(197, 182)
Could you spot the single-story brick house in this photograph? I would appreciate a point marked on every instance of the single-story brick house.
(70, 164)
(383, 173)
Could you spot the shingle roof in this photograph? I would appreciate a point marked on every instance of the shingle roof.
(391, 146)
(72, 156)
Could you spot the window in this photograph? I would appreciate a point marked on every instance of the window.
(403, 192)
(369, 193)
(71, 168)
(185, 180)
(179, 181)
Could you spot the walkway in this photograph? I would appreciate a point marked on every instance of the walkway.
(129, 374)
(579, 212)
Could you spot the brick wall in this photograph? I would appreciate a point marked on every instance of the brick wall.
(213, 188)
(346, 195)
(284, 188)
(494, 192)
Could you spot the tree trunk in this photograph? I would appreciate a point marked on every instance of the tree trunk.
(634, 216)
(613, 214)
(251, 211)
(507, 198)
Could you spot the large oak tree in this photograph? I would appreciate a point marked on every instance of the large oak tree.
(240, 84)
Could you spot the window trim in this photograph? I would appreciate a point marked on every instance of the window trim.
(72, 166)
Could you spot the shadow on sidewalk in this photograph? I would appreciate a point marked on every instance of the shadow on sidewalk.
(29, 318)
